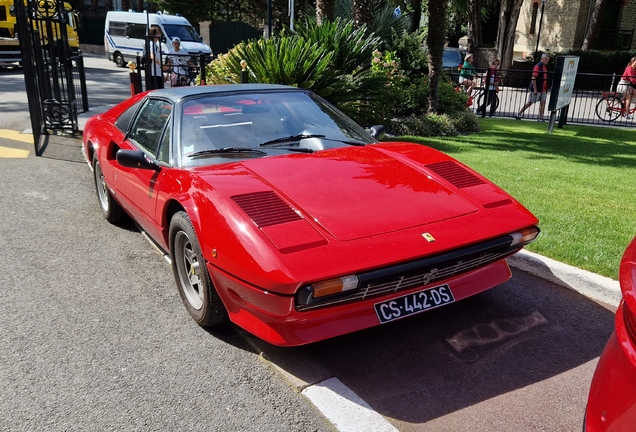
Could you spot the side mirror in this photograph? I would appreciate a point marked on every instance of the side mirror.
(377, 131)
(136, 159)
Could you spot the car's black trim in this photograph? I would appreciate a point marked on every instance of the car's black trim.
(417, 273)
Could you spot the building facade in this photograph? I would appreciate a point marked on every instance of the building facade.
(561, 25)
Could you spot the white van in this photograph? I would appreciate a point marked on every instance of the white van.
(124, 35)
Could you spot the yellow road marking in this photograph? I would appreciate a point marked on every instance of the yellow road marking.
(7, 153)
(16, 136)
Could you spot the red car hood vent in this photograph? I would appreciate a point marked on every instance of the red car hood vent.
(455, 174)
(266, 208)
(359, 192)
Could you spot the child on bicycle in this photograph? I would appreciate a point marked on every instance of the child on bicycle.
(467, 74)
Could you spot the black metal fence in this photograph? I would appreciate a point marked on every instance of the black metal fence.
(586, 96)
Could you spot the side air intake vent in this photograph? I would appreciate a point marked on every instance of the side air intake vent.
(266, 208)
(455, 174)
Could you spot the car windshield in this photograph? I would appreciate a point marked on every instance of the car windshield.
(214, 128)
(184, 32)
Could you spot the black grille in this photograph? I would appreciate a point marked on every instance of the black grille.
(455, 174)
(418, 273)
(266, 208)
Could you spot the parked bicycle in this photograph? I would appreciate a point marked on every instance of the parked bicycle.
(479, 93)
(611, 106)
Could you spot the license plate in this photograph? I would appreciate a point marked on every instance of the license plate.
(413, 303)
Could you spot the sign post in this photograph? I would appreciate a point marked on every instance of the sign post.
(562, 88)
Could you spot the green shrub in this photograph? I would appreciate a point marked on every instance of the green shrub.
(451, 101)
(413, 59)
(465, 122)
(424, 125)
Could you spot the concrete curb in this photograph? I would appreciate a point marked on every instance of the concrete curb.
(340, 405)
(598, 288)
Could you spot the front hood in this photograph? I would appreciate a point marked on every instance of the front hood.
(195, 47)
(357, 192)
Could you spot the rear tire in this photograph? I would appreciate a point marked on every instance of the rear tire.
(480, 102)
(119, 60)
(196, 289)
(111, 209)
(609, 108)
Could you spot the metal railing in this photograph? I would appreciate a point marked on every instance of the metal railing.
(615, 39)
(588, 91)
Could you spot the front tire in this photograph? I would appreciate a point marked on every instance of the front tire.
(609, 108)
(111, 210)
(191, 274)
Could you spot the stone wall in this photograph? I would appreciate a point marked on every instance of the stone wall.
(563, 23)
(628, 20)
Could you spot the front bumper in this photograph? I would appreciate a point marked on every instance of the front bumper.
(274, 318)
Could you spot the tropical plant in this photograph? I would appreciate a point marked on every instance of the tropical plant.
(332, 59)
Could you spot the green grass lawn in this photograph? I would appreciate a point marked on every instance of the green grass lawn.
(580, 181)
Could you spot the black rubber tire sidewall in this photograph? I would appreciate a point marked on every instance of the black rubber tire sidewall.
(213, 312)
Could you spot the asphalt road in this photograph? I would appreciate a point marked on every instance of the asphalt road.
(95, 336)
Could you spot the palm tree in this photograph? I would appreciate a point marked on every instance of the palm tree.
(325, 10)
(595, 25)
(435, 40)
(362, 12)
(508, 17)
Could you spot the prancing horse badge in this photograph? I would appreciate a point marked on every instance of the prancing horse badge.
(428, 237)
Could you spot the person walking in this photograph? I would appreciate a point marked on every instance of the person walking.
(627, 86)
(156, 72)
(538, 90)
(492, 77)
(467, 74)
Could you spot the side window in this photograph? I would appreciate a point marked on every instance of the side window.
(117, 28)
(148, 127)
(164, 147)
(123, 121)
(136, 31)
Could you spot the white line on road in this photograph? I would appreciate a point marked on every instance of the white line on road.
(345, 409)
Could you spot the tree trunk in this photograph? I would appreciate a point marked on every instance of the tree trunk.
(474, 24)
(435, 40)
(325, 10)
(508, 17)
(595, 25)
(362, 12)
(416, 15)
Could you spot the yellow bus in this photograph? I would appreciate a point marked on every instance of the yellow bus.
(9, 42)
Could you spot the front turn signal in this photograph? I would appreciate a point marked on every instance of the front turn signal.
(334, 286)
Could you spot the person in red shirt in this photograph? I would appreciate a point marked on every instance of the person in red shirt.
(627, 86)
(538, 87)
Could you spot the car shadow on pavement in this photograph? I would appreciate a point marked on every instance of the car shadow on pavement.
(427, 366)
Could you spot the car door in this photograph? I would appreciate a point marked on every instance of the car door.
(150, 133)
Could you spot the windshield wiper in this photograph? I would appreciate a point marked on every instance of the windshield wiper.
(290, 138)
(225, 150)
(294, 149)
(353, 143)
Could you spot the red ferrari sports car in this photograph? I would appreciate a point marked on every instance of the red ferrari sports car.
(282, 215)
(611, 405)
